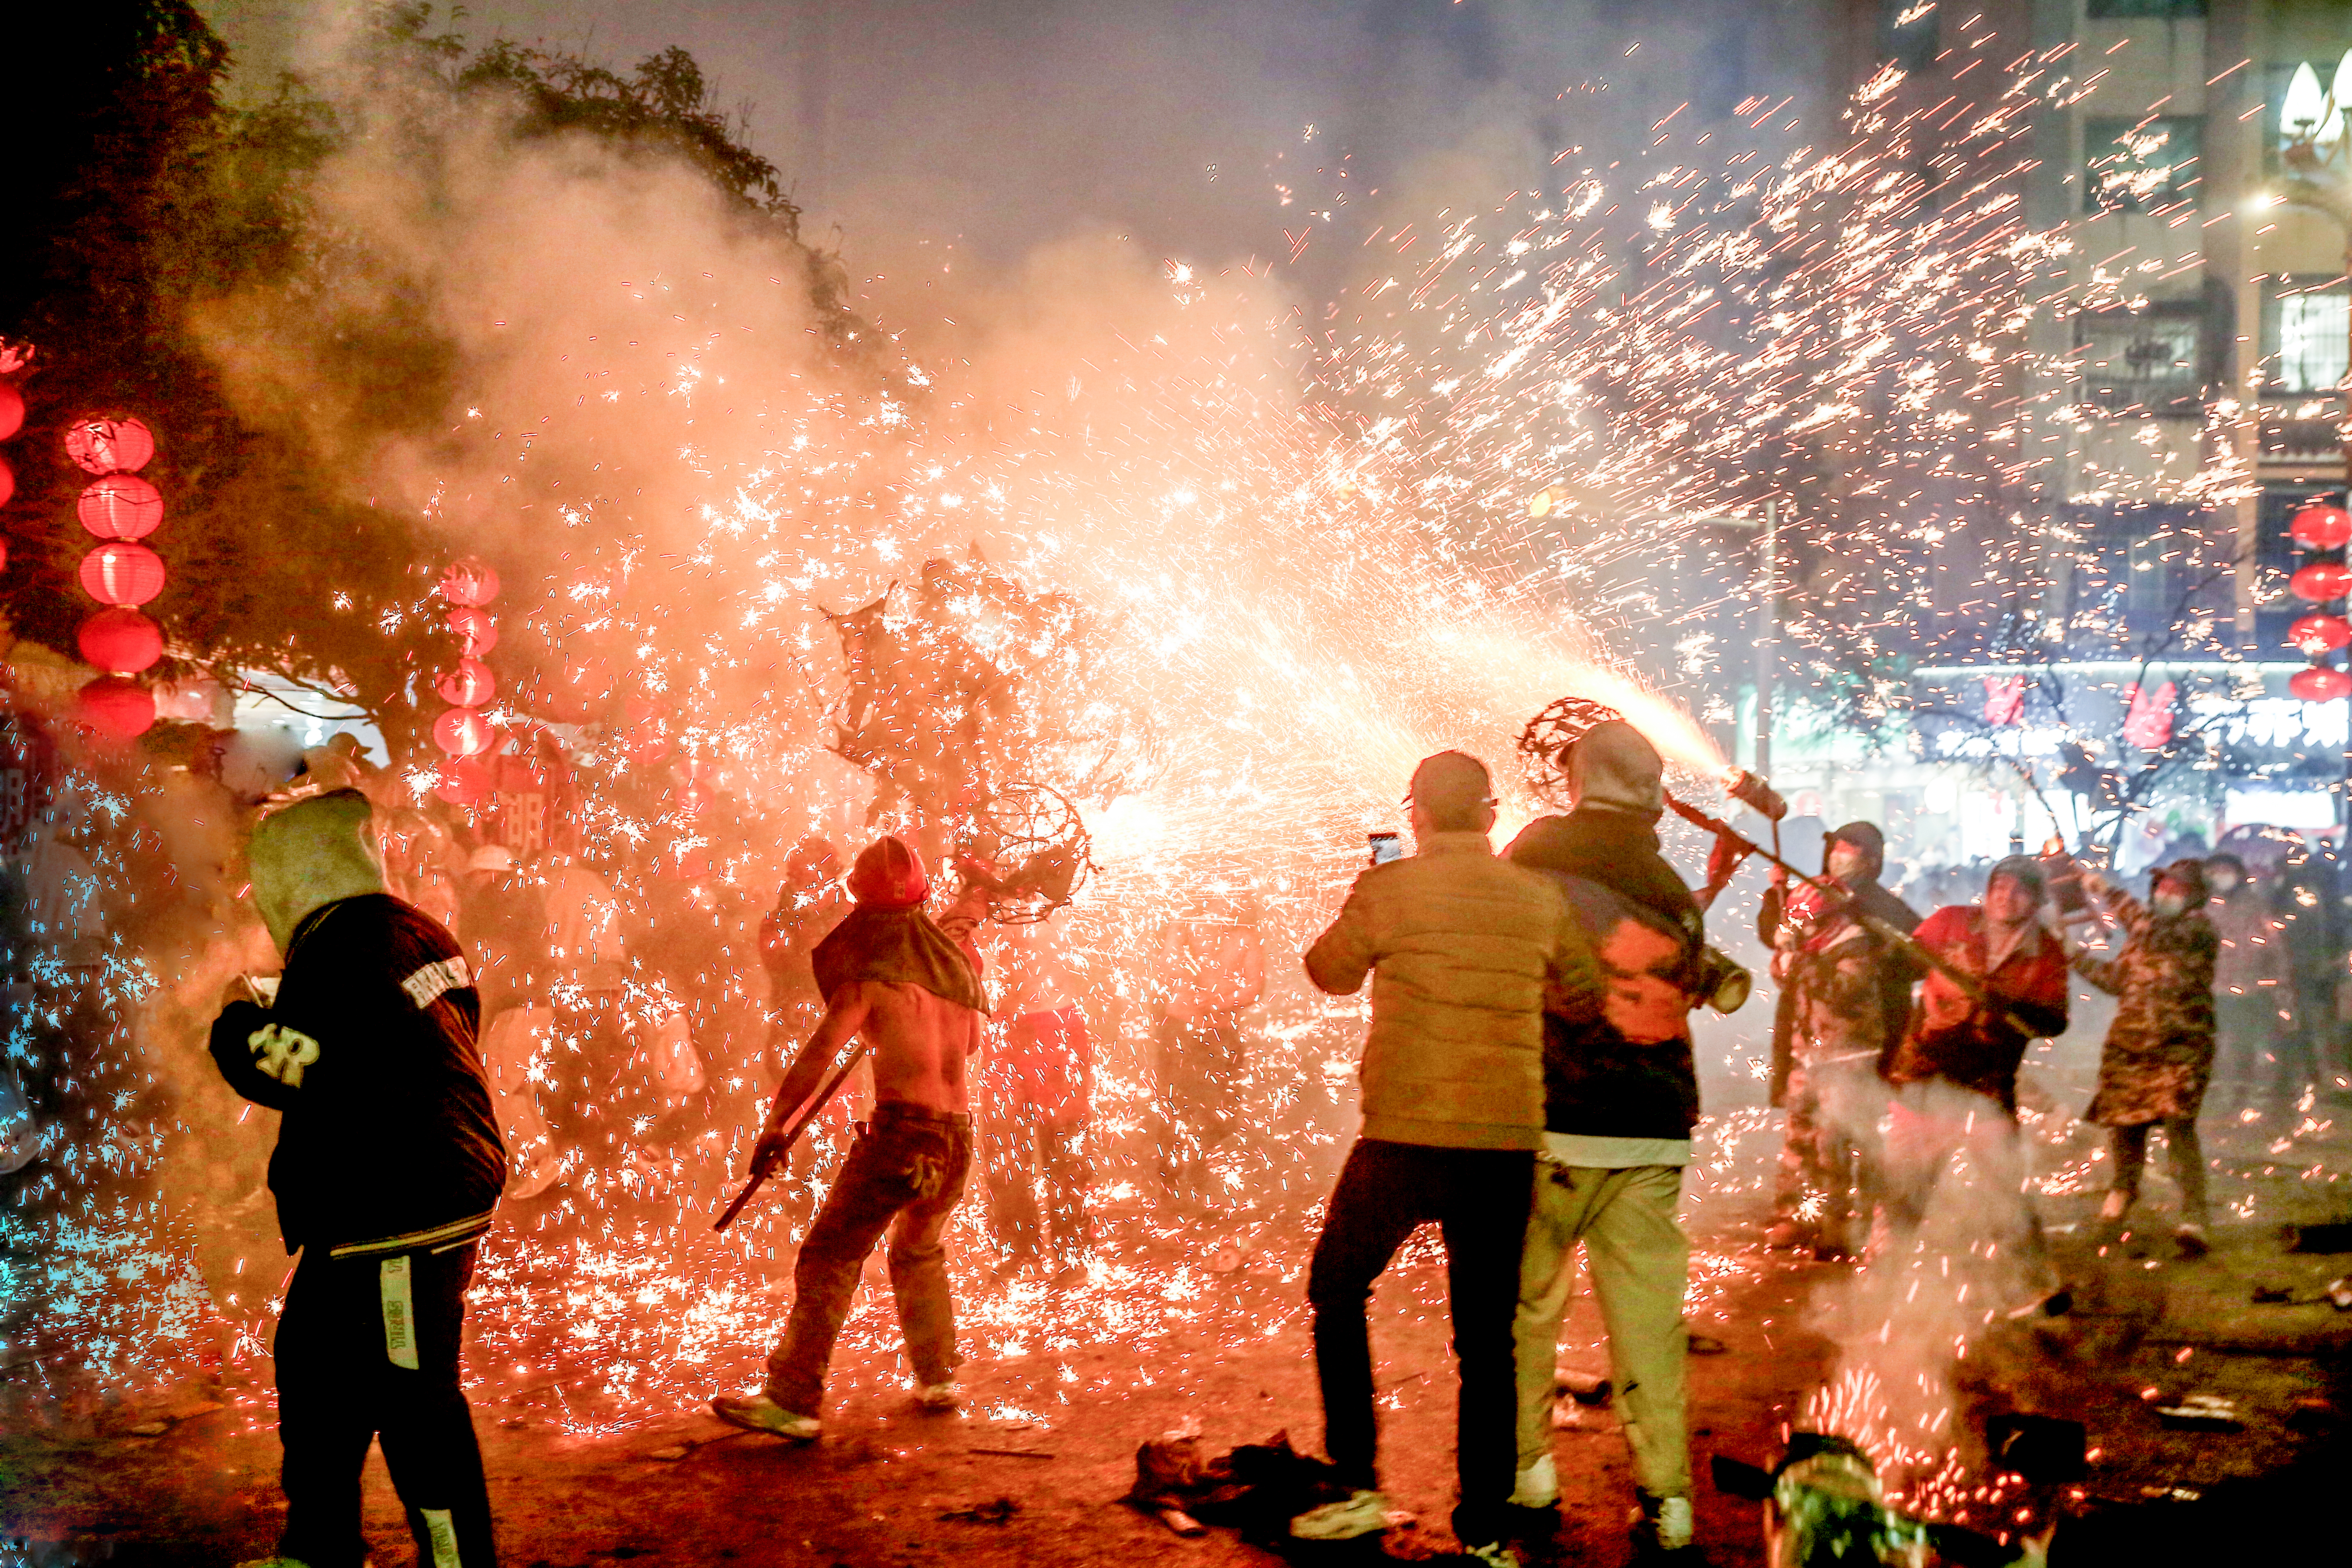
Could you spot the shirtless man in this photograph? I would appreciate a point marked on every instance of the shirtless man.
(892, 979)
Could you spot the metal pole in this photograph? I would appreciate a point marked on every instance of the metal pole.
(2343, 391)
(1766, 639)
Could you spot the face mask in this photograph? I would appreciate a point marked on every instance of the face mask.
(2224, 884)
(1846, 863)
(2171, 904)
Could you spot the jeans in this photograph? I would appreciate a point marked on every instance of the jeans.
(2187, 1162)
(904, 1174)
(1639, 1264)
(367, 1350)
(1478, 1198)
(1038, 1175)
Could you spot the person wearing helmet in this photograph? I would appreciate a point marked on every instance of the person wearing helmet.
(892, 979)
(387, 1171)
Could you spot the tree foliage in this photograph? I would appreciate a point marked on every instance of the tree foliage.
(146, 201)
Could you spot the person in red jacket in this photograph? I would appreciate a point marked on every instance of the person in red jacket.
(1954, 1070)
(387, 1171)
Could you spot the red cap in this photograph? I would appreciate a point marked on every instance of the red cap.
(890, 875)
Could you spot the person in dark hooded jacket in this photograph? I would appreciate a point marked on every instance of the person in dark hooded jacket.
(1847, 993)
(387, 1171)
(1620, 1097)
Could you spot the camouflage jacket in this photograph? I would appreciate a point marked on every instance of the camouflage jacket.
(2160, 1049)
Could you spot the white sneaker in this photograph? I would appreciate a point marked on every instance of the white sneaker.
(758, 1413)
(1363, 1514)
(2114, 1205)
(1665, 1522)
(1538, 1485)
(938, 1396)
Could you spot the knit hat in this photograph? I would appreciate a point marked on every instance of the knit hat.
(2024, 868)
(890, 875)
(1613, 767)
(2190, 873)
(1866, 837)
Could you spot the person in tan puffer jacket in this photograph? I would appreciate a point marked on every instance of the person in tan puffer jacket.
(1463, 950)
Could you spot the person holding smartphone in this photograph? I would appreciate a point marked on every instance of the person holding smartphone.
(387, 1171)
(1462, 950)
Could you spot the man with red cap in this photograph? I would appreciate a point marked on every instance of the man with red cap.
(893, 979)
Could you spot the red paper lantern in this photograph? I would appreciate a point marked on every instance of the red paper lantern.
(114, 706)
(7, 481)
(12, 409)
(469, 684)
(472, 581)
(121, 574)
(2321, 581)
(2320, 683)
(464, 781)
(110, 445)
(2317, 635)
(477, 633)
(463, 733)
(119, 640)
(2322, 527)
(121, 506)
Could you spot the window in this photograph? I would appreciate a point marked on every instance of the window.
(1910, 33)
(2153, 362)
(2162, 10)
(2139, 165)
(2306, 334)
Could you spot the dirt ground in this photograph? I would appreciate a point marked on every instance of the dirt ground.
(1034, 1469)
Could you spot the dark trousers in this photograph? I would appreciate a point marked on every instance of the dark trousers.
(904, 1174)
(2187, 1161)
(347, 1326)
(1479, 1199)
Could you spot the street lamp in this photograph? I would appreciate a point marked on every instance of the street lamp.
(2318, 154)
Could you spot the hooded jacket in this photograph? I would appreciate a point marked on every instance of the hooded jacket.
(1627, 1074)
(389, 1142)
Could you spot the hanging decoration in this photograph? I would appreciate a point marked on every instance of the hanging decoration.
(120, 507)
(11, 420)
(463, 730)
(2324, 529)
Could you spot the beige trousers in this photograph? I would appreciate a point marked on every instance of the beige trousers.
(1640, 1263)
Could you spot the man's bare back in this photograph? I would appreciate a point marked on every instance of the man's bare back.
(918, 1044)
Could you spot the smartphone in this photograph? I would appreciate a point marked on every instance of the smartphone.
(1386, 847)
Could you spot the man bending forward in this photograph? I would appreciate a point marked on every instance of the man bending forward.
(892, 978)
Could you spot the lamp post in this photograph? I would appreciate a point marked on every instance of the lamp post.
(2319, 176)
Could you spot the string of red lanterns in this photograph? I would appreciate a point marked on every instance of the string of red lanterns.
(119, 509)
(463, 731)
(2321, 527)
(12, 419)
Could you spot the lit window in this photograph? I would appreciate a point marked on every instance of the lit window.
(2304, 335)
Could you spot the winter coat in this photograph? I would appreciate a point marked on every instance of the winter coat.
(1842, 985)
(389, 1142)
(2158, 1054)
(1462, 947)
(1626, 1072)
(2253, 952)
(1983, 1051)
